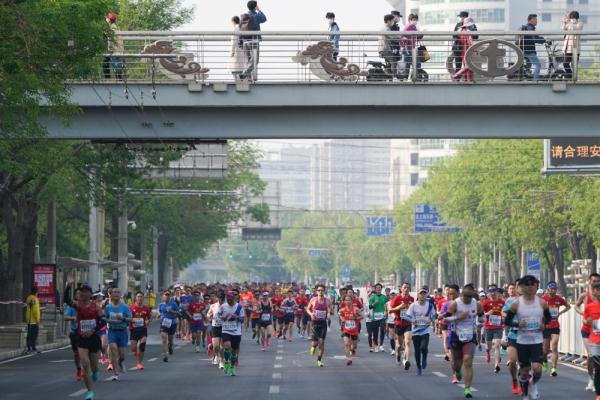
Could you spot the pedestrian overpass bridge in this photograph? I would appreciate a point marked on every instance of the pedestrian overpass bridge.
(178, 85)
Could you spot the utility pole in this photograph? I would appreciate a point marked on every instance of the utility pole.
(155, 286)
(51, 234)
(440, 272)
(122, 249)
(467, 277)
(92, 248)
(480, 275)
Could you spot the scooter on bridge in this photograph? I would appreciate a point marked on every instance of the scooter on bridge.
(554, 71)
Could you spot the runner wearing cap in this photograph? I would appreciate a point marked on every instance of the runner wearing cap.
(494, 326)
(421, 314)
(402, 325)
(349, 314)
(529, 314)
(552, 331)
(138, 327)
(89, 322)
(232, 314)
(103, 301)
(197, 313)
(169, 310)
(319, 308)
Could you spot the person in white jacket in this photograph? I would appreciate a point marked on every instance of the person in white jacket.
(236, 56)
(572, 43)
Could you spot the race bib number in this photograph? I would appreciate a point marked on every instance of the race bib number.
(378, 315)
(495, 320)
(391, 318)
(596, 326)
(403, 314)
(113, 316)
(554, 312)
(166, 323)
(137, 322)
(465, 334)
(421, 320)
(265, 317)
(350, 324)
(185, 306)
(230, 325)
(532, 324)
(197, 317)
(87, 325)
(321, 314)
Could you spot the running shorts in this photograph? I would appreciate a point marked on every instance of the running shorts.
(585, 334)
(197, 327)
(235, 340)
(512, 342)
(460, 349)
(254, 322)
(288, 319)
(305, 319)
(492, 334)
(138, 333)
(73, 338)
(530, 353)
(400, 330)
(551, 331)
(319, 330)
(281, 320)
(120, 338)
(217, 331)
(352, 337)
(92, 343)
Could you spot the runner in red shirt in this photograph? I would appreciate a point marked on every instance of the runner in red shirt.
(278, 315)
(246, 298)
(494, 325)
(402, 325)
(585, 329)
(138, 328)
(302, 302)
(552, 331)
(350, 316)
(197, 312)
(591, 319)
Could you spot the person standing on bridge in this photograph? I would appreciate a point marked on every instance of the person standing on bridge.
(250, 22)
(528, 45)
(388, 46)
(465, 43)
(333, 27)
(457, 49)
(236, 56)
(113, 62)
(572, 44)
(409, 42)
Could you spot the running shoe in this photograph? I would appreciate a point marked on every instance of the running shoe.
(468, 393)
(165, 359)
(419, 371)
(95, 376)
(455, 379)
(446, 357)
(515, 387)
(221, 365)
(103, 360)
(78, 375)
(110, 367)
(312, 351)
(497, 368)
(376, 349)
(209, 351)
(226, 368)
(290, 339)
(590, 385)
(263, 349)
(122, 366)
(140, 366)
(232, 371)
(90, 396)
(349, 362)
(320, 364)
(197, 349)
(284, 338)
(370, 349)
(553, 372)
(545, 366)
(406, 365)
(215, 361)
(115, 378)
(534, 394)
(392, 352)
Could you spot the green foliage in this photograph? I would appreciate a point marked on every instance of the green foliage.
(153, 15)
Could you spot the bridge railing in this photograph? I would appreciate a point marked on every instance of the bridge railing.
(311, 57)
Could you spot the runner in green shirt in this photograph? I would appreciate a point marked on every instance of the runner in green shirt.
(377, 306)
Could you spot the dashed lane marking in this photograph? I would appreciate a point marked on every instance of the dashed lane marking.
(60, 361)
(462, 385)
(152, 359)
(276, 375)
(278, 358)
(279, 351)
(441, 375)
(277, 366)
(274, 389)
(78, 393)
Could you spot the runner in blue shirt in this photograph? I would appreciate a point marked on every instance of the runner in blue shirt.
(168, 323)
(117, 315)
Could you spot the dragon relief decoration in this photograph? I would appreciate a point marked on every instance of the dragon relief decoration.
(319, 57)
(178, 64)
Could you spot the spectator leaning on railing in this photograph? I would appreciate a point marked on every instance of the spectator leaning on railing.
(386, 47)
(251, 43)
(572, 44)
(409, 42)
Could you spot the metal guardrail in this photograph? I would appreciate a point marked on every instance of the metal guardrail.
(309, 57)
(570, 345)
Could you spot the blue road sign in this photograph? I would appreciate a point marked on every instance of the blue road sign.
(534, 266)
(316, 252)
(428, 220)
(380, 226)
(346, 275)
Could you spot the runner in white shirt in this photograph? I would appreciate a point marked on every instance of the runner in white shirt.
(232, 314)
(216, 324)
(390, 317)
(421, 314)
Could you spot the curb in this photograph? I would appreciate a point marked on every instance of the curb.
(7, 355)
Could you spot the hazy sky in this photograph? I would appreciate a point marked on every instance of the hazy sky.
(292, 15)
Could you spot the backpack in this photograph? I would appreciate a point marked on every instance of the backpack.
(248, 24)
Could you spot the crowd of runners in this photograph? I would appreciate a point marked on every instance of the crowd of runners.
(519, 324)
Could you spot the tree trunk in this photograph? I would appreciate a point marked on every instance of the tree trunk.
(114, 234)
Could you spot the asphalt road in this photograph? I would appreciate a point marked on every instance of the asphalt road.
(286, 370)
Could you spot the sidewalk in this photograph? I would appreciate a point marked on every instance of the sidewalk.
(7, 354)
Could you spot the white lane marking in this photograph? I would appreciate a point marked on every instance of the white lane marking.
(279, 351)
(78, 393)
(132, 369)
(338, 357)
(109, 378)
(152, 359)
(274, 389)
(278, 358)
(302, 352)
(32, 355)
(462, 385)
(440, 374)
(280, 346)
(276, 375)
(177, 347)
(277, 366)
(60, 361)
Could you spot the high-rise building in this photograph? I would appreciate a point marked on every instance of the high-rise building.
(551, 12)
